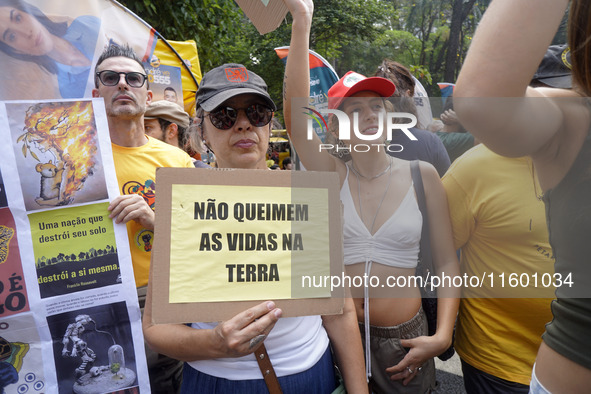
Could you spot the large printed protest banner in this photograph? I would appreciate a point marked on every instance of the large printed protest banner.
(67, 287)
(69, 316)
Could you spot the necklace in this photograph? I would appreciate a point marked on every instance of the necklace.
(357, 173)
(383, 197)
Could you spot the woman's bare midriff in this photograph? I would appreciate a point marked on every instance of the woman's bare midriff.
(391, 302)
(558, 374)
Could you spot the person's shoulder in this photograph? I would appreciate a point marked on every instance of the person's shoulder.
(428, 137)
(552, 93)
(154, 143)
(84, 30)
(457, 137)
(428, 170)
(200, 164)
(478, 163)
(471, 156)
(86, 21)
(161, 147)
(422, 133)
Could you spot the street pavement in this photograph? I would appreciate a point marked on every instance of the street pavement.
(449, 376)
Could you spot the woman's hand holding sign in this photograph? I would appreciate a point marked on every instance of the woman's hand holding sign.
(242, 334)
(236, 337)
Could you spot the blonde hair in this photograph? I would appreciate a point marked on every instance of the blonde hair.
(579, 37)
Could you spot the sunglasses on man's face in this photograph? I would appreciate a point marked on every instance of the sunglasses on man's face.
(224, 118)
(112, 78)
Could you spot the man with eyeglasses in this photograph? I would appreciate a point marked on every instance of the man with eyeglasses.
(120, 78)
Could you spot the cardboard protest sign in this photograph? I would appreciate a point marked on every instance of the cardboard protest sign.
(226, 240)
(265, 15)
(65, 267)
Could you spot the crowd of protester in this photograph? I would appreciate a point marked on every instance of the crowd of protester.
(506, 190)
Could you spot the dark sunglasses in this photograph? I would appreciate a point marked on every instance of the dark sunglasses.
(111, 78)
(224, 118)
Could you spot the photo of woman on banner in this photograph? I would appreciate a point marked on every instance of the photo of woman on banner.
(234, 113)
(64, 49)
(382, 222)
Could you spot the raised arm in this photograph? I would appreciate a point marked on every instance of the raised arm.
(507, 48)
(296, 85)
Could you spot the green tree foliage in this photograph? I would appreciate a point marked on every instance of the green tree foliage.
(213, 24)
(223, 34)
(335, 26)
(430, 37)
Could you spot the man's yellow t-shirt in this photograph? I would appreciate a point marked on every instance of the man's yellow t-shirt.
(500, 226)
(136, 173)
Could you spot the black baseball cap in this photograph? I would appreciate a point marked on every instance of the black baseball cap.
(555, 68)
(227, 81)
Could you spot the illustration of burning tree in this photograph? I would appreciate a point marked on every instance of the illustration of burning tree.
(67, 131)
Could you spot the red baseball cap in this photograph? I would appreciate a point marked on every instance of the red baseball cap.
(353, 82)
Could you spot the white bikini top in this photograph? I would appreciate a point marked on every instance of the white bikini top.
(395, 244)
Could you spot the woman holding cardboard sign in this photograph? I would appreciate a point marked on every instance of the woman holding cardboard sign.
(234, 112)
(382, 221)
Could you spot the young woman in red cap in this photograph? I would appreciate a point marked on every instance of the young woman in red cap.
(382, 221)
